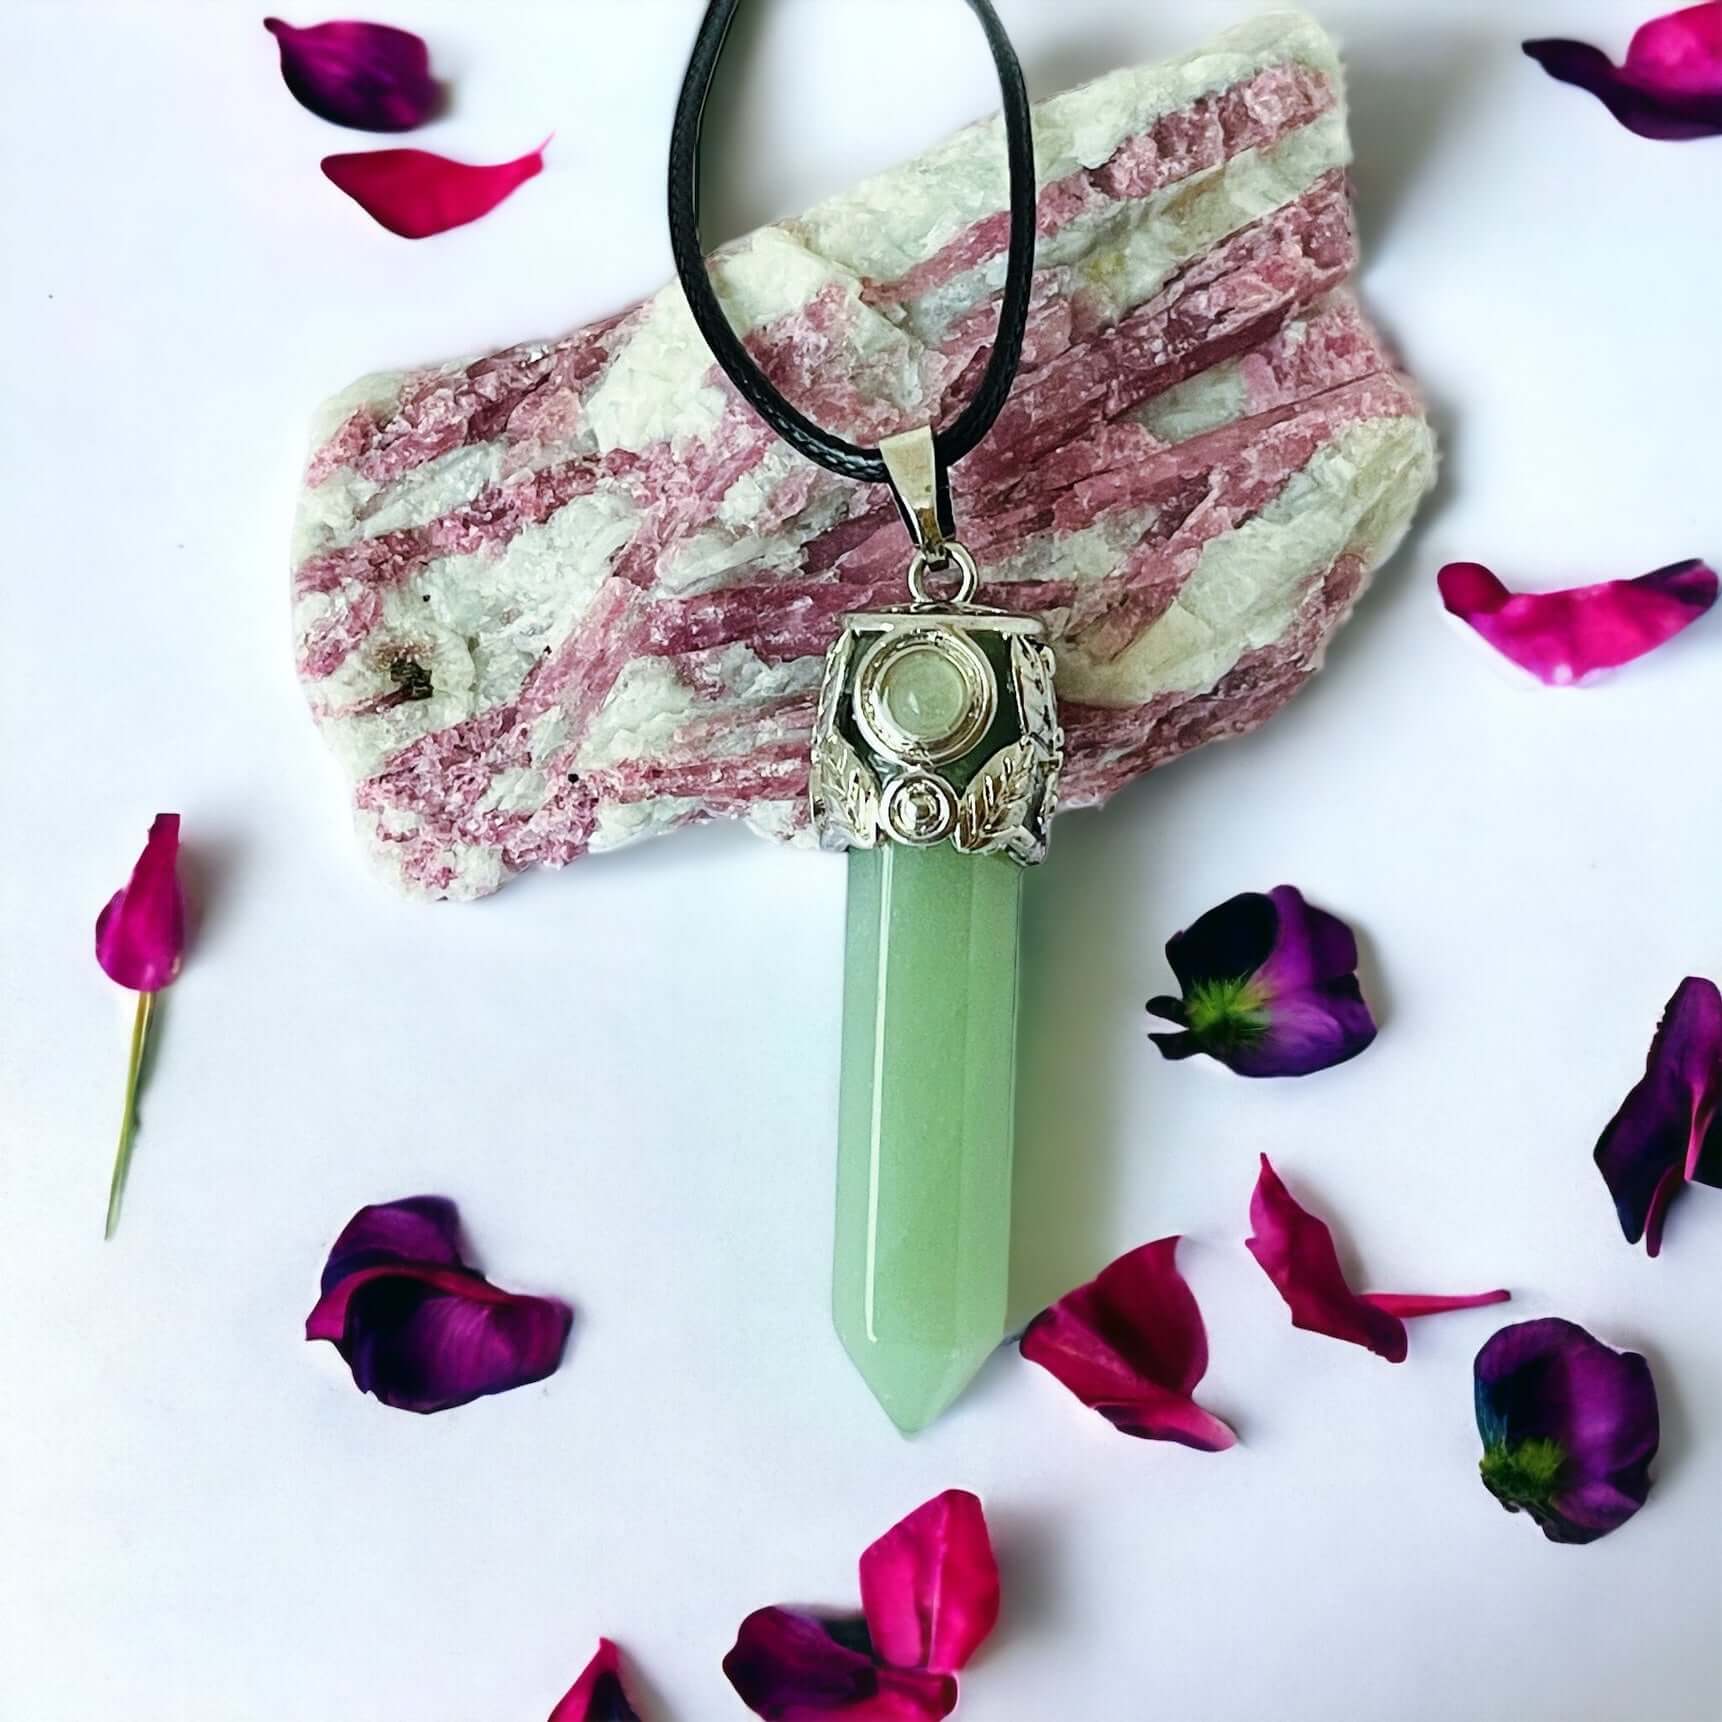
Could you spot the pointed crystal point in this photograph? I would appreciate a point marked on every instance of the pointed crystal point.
(924, 1140)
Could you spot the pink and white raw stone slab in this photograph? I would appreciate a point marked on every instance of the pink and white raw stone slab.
(575, 593)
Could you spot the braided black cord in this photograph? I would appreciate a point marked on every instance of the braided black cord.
(799, 431)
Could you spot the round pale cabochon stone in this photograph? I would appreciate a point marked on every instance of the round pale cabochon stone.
(923, 693)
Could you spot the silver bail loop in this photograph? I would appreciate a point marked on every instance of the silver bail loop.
(921, 488)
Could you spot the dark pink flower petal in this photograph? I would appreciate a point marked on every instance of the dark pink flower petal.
(788, 1665)
(930, 1585)
(1407, 1305)
(417, 1327)
(1670, 86)
(1563, 637)
(368, 76)
(140, 935)
(1131, 1345)
(598, 1695)
(1268, 987)
(1668, 1130)
(1296, 1252)
(415, 194)
(1569, 1428)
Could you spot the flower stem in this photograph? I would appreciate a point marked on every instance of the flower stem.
(128, 1120)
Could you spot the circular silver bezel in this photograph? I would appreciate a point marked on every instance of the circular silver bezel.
(873, 715)
(925, 787)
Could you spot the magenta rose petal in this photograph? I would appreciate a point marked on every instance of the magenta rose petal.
(371, 77)
(1131, 1345)
(416, 194)
(789, 1665)
(598, 1695)
(1569, 1428)
(930, 1585)
(416, 1326)
(140, 935)
(1669, 87)
(1667, 1131)
(1296, 1251)
(1564, 637)
(1268, 987)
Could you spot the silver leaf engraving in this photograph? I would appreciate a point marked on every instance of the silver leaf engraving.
(831, 685)
(845, 795)
(994, 812)
(1032, 666)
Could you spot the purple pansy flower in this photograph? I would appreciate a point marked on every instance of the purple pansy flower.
(417, 1326)
(1569, 1428)
(1668, 1131)
(1670, 85)
(598, 1695)
(1269, 987)
(929, 1597)
(372, 77)
(1131, 1345)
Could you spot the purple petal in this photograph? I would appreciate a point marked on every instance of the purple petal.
(368, 76)
(930, 1585)
(415, 193)
(140, 935)
(1131, 1345)
(427, 1334)
(1296, 1252)
(1311, 947)
(424, 1230)
(1670, 86)
(791, 1666)
(1658, 1138)
(1563, 637)
(1586, 1412)
(1310, 1031)
(598, 1695)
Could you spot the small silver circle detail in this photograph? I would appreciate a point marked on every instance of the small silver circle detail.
(920, 808)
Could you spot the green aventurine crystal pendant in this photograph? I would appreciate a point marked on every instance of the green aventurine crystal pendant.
(924, 1133)
(936, 755)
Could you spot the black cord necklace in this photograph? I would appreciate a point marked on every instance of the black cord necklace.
(831, 451)
(935, 760)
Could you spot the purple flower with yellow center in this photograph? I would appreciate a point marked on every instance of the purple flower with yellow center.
(1269, 987)
(1569, 1428)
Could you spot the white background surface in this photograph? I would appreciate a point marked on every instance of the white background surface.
(625, 1073)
